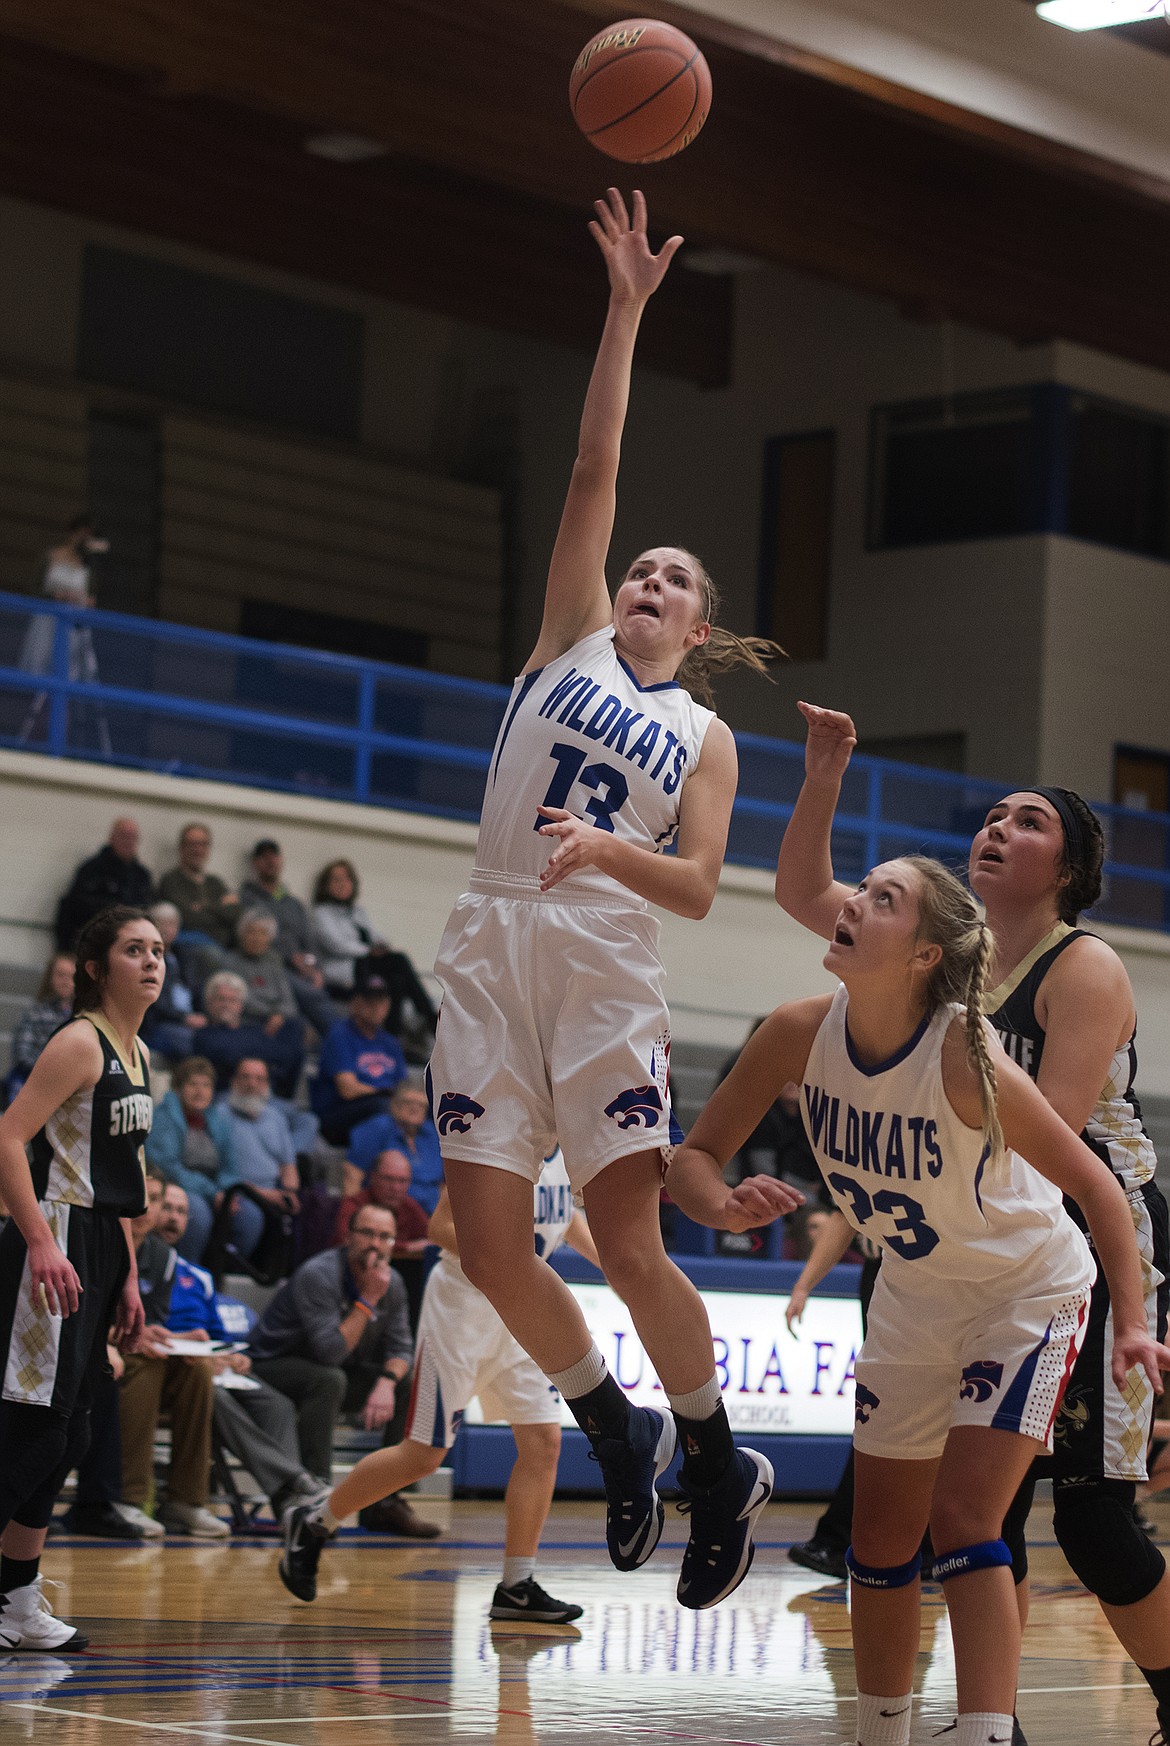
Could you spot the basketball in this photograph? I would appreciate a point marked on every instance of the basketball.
(640, 91)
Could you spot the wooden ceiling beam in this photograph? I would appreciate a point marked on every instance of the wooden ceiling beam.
(799, 165)
(203, 172)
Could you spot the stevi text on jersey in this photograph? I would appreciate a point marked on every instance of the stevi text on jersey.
(132, 1114)
(577, 701)
(882, 1142)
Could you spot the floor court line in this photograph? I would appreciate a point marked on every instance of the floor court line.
(206, 1731)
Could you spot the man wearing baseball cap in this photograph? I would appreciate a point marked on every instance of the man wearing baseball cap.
(361, 1062)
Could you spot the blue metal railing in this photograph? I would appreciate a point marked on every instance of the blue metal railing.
(155, 696)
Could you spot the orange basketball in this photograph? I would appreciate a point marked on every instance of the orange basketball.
(640, 91)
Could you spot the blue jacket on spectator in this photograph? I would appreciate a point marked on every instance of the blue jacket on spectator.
(261, 1145)
(378, 1062)
(381, 1133)
(168, 1137)
(193, 1302)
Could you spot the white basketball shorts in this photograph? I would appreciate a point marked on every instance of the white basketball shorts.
(463, 1350)
(925, 1368)
(553, 1029)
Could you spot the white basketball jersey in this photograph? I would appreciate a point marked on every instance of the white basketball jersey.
(905, 1170)
(582, 734)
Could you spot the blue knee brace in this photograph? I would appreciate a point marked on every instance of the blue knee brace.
(883, 1576)
(987, 1555)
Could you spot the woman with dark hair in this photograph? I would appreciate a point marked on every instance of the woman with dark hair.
(347, 938)
(47, 1013)
(1062, 1004)
(67, 1264)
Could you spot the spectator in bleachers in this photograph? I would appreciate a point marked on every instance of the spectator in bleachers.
(263, 1152)
(296, 938)
(360, 1063)
(336, 1338)
(348, 939)
(155, 1378)
(270, 1000)
(227, 1039)
(36, 1024)
(208, 907)
(257, 1424)
(114, 875)
(388, 1185)
(190, 1142)
(172, 1025)
(406, 1127)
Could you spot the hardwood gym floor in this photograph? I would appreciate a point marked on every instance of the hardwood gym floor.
(198, 1642)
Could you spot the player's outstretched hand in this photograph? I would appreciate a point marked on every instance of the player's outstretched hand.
(758, 1200)
(635, 273)
(52, 1274)
(832, 738)
(1138, 1350)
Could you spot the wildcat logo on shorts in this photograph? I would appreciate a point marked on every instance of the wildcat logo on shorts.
(640, 1107)
(864, 1401)
(980, 1380)
(456, 1113)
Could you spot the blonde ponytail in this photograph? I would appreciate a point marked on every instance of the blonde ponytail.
(949, 919)
(978, 1054)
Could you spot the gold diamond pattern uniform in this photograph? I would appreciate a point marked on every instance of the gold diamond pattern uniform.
(68, 1131)
(31, 1370)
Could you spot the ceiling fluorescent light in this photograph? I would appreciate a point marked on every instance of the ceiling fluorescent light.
(1099, 14)
(345, 148)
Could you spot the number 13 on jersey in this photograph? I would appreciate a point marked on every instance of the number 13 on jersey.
(611, 790)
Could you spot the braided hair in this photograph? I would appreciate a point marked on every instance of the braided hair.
(948, 918)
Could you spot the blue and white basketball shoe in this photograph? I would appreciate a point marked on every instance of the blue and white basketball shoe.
(631, 1466)
(723, 1519)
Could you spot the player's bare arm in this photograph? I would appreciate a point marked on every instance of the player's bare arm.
(685, 882)
(1086, 1007)
(776, 1053)
(577, 599)
(70, 1061)
(1033, 1129)
(829, 1246)
(805, 886)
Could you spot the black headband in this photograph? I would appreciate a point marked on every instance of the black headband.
(1075, 841)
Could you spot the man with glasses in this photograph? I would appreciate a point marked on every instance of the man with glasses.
(336, 1338)
(209, 908)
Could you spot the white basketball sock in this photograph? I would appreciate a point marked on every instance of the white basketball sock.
(883, 1721)
(699, 1404)
(981, 1727)
(582, 1377)
(517, 1570)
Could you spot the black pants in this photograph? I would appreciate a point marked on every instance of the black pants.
(42, 1440)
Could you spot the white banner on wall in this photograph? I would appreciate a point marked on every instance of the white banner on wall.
(773, 1381)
